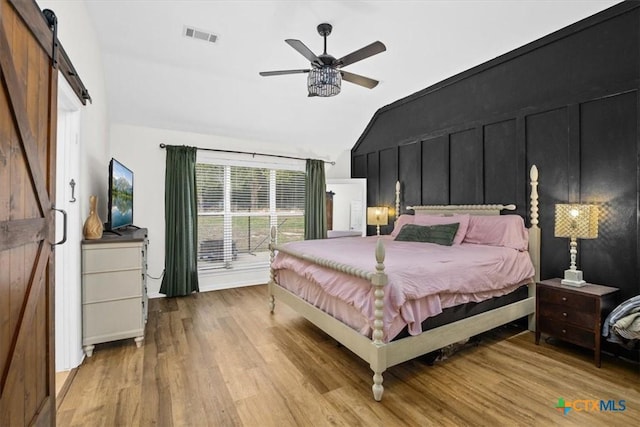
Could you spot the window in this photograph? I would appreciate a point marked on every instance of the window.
(238, 202)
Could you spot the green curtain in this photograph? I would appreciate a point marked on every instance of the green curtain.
(181, 223)
(315, 211)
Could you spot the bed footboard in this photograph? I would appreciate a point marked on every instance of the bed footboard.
(371, 350)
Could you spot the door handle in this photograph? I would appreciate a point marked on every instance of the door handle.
(64, 226)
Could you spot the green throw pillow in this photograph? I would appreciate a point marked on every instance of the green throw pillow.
(439, 234)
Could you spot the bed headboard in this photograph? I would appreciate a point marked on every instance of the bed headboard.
(461, 209)
(534, 230)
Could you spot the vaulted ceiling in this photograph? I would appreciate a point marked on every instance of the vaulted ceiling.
(157, 77)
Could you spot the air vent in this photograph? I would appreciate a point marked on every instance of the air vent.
(195, 33)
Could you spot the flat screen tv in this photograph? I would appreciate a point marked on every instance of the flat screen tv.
(120, 196)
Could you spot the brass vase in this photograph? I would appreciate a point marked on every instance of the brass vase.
(93, 225)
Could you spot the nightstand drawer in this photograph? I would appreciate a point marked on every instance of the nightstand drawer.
(567, 332)
(571, 300)
(562, 313)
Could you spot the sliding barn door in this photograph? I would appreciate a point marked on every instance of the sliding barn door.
(28, 94)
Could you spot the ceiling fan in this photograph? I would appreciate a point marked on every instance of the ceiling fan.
(326, 74)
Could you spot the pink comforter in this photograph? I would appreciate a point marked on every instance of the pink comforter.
(423, 278)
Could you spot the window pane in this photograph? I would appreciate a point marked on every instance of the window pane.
(289, 191)
(210, 239)
(210, 187)
(249, 189)
(290, 228)
(251, 233)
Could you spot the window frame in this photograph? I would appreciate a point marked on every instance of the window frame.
(228, 160)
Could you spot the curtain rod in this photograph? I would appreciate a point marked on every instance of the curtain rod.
(253, 154)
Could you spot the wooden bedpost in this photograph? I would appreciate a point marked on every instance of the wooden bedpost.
(272, 273)
(534, 230)
(379, 359)
(534, 239)
(397, 199)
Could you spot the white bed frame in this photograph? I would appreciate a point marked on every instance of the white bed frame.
(381, 355)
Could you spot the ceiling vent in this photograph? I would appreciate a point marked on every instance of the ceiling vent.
(195, 33)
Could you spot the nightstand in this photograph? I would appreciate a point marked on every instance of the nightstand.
(573, 314)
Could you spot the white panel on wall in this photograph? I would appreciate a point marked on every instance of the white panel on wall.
(349, 204)
(356, 216)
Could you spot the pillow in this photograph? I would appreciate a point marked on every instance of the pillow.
(402, 220)
(498, 230)
(462, 219)
(438, 234)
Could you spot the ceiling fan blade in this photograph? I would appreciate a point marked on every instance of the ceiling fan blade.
(282, 72)
(359, 80)
(304, 50)
(360, 54)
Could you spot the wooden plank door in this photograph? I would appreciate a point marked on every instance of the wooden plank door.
(28, 96)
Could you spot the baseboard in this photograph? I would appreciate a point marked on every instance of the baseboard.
(62, 392)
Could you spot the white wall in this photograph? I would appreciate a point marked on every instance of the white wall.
(138, 148)
(342, 168)
(80, 41)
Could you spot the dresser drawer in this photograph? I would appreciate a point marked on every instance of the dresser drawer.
(100, 258)
(113, 320)
(109, 286)
(563, 313)
(567, 332)
(568, 299)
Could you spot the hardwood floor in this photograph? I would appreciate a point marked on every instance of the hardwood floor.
(220, 359)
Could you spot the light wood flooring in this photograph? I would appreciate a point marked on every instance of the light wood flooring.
(220, 359)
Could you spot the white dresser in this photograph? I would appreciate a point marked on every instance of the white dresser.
(114, 288)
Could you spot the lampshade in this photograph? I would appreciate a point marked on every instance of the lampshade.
(576, 221)
(378, 216)
(324, 81)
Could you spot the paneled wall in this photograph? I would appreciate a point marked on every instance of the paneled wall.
(567, 103)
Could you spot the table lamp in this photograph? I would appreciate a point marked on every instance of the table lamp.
(378, 216)
(575, 221)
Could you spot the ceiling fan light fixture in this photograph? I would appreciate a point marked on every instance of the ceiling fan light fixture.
(324, 81)
(325, 75)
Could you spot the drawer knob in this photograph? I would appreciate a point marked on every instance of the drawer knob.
(564, 298)
(564, 314)
(564, 331)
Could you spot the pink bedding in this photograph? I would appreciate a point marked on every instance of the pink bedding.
(424, 278)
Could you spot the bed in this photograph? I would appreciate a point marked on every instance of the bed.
(382, 314)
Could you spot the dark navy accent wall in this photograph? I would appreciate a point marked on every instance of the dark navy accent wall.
(567, 102)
